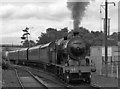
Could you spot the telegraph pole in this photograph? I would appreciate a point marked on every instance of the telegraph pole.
(105, 32)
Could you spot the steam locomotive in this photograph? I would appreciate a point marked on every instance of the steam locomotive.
(64, 57)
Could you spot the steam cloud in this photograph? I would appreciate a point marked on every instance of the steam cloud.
(77, 9)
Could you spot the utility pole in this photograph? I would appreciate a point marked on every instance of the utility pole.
(106, 36)
(105, 32)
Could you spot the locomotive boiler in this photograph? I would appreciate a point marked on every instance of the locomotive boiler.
(64, 57)
(74, 48)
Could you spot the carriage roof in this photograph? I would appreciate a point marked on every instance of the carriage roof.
(23, 49)
(12, 51)
(46, 45)
(35, 47)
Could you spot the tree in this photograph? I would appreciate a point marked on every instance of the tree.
(51, 35)
(28, 43)
(114, 36)
(113, 39)
(44, 38)
(118, 36)
(93, 38)
(98, 38)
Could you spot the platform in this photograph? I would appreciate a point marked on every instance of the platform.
(103, 81)
(9, 79)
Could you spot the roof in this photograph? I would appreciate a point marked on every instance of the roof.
(12, 51)
(46, 45)
(35, 47)
(23, 49)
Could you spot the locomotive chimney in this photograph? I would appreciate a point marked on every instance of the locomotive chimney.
(76, 25)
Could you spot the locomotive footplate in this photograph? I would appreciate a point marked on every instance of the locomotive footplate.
(78, 72)
(77, 69)
(79, 76)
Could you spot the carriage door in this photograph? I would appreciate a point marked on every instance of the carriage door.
(52, 55)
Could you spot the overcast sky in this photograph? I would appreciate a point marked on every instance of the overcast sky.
(38, 15)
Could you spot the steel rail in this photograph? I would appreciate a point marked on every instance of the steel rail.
(20, 82)
(32, 75)
(36, 78)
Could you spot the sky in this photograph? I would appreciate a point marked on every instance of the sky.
(38, 15)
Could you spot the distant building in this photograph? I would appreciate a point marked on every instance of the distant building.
(97, 55)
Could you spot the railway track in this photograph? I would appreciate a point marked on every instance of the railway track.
(47, 81)
(62, 83)
(20, 82)
(27, 79)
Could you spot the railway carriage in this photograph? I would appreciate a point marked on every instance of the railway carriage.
(44, 53)
(13, 56)
(47, 55)
(34, 55)
(22, 56)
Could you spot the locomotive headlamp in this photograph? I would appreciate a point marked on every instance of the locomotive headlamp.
(67, 77)
(90, 75)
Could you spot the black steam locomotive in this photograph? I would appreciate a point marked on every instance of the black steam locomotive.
(64, 57)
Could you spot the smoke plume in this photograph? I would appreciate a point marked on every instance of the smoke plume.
(77, 10)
